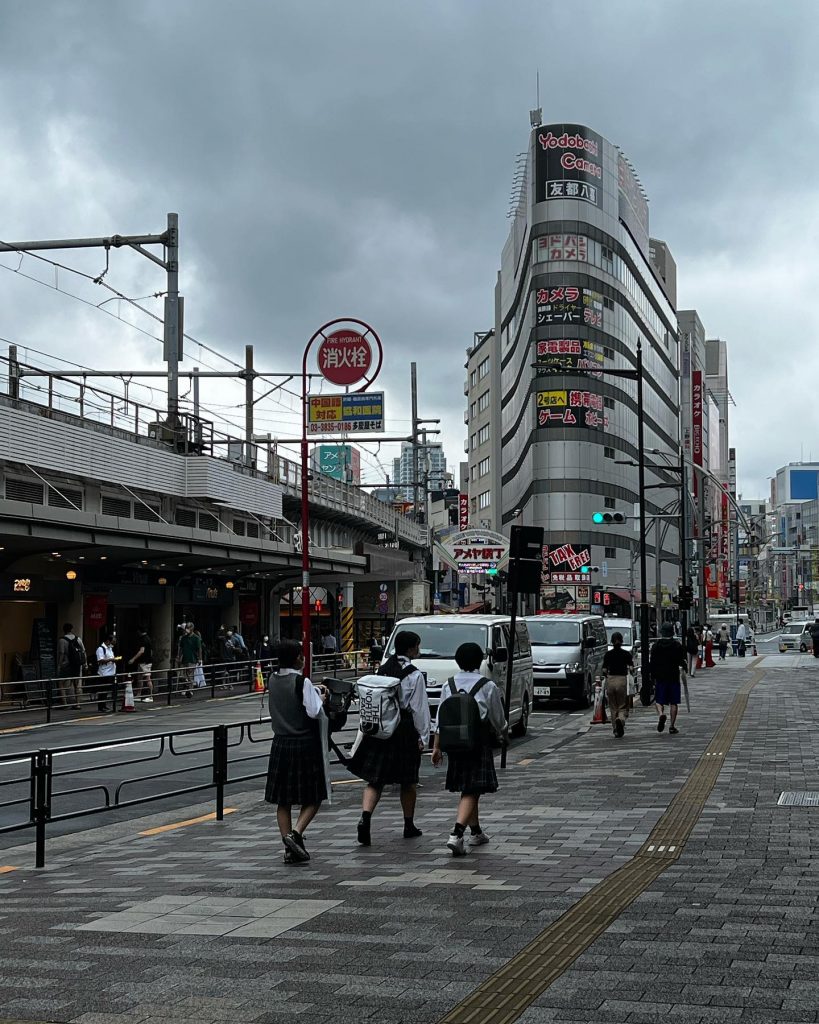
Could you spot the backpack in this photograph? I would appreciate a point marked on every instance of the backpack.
(379, 706)
(75, 654)
(460, 726)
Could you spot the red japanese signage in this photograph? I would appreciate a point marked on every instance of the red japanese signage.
(463, 512)
(563, 564)
(570, 409)
(568, 304)
(249, 611)
(95, 610)
(570, 354)
(563, 247)
(344, 357)
(568, 163)
(696, 416)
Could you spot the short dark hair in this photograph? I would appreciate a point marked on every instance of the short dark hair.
(68, 628)
(469, 657)
(288, 653)
(617, 639)
(405, 641)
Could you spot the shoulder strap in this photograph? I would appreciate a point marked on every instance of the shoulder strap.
(453, 689)
(300, 689)
(478, 686)
(407, 670)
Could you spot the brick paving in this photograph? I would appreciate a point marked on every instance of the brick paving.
(132, 929)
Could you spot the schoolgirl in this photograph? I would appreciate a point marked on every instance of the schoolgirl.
(298, 771)
(396, 760)
(472, 774)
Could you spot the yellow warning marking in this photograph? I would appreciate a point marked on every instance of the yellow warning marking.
(5, 868)
(348, 782)
(17, 728)
(526, 760)
(182, 824)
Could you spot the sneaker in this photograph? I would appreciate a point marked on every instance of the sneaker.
(297, 851)
(456, 845)
(673, 730)
(147, 700)
(478, 839)
(661, 723)
(189, 694)
(412, 832)
(363, 829)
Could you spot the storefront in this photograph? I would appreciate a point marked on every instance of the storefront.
(29, 625)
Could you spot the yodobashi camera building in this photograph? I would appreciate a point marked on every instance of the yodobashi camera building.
(549, 437)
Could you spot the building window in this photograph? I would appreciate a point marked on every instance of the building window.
(608, 303)
(483, 369)
(472, 379)
(111, 506)
(607, 254)
(24, 490)
(185, 517)
(611, 552)
(608, 453)
(609, 503)
(483, 500)
(64, 498)
(483, 401)
(483, 467)
(608, 403)
(472, 410)
(608, 352)
(473, 472)
(483, 434)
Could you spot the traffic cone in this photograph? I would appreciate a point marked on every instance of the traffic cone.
(599, 716)
(128, 696)
(258, 685)
(754, 648)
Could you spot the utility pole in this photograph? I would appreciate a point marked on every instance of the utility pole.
(683, 535)
(415, 440)
(173, 318)
(249, 376)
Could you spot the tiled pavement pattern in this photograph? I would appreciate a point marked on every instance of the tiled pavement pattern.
(404, 931)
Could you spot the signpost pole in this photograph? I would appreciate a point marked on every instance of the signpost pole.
(513, 616)
(305, 522)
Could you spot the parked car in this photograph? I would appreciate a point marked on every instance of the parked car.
(442, 635)
(630, 632)
(567, 652)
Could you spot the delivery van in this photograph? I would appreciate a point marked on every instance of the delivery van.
(442, 635)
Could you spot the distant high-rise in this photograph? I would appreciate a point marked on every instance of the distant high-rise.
(431, 465)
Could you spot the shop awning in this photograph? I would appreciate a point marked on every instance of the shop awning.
(624, 594)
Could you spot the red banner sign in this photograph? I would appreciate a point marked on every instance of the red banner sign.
(95, 610)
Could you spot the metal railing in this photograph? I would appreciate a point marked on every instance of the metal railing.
(39, 776)
(48, 698)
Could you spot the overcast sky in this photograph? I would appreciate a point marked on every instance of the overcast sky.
(356, 158)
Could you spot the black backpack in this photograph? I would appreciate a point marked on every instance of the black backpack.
(75, 655)
(460, 726)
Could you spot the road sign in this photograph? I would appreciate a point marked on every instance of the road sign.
(344, 357)
(383, 603)
(336, 414)
(383, 588)
(604, 568)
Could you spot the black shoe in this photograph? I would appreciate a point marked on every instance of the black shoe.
(300, 840)
(673, 730)
(661, 723)
(296, 850)
(102, 707)
(411, 832)
(189, 694)
(619, 728)
(363, 829)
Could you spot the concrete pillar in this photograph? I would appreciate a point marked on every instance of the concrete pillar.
(163, 632)
(71, 611)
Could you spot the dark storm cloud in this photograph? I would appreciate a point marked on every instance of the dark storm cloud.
(357, 158)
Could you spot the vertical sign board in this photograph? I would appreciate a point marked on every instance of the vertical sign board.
(568, 163)
(463, 512)
(696, 424)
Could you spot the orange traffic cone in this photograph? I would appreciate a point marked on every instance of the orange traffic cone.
(258, 685)
(599, 716)
(128, 695)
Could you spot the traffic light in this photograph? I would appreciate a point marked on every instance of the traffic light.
(339, 598)
(586, 569)
(491, 572)
(318, 606)
(685, 598)
(608, 518)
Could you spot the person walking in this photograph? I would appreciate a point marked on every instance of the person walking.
(708, 641)
(329, 647)
(298, 770)
(106, 670)
(188, 656)
(692, 648)
(397, 759)
(742, 639)
(144, 660)
(724, 639)
(617, 664)
(667, 661)
(71, 663)
(265, 653)
(472, 774)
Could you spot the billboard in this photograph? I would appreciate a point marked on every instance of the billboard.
(564, 354)
(463, 511)
(474, 551)
(568, 163)
(696, 416)
(632, 204)
(562, 563)
(564, 408)
(568, 304)
(343, 414)
(339, 461)
(574, 248)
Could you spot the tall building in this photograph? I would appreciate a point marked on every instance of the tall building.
(550, 440)
(431, 465)
(339, 461)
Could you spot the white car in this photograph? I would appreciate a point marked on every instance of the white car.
(795, 636)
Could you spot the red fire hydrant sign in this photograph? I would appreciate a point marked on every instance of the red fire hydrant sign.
(344, 357)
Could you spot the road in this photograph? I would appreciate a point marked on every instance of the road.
(148, 766)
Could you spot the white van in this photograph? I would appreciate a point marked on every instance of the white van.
(442, 635)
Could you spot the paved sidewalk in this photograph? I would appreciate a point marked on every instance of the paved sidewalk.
(205, 923)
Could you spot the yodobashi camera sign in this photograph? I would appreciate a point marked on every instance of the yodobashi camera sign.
(568, 163)
(474, 551)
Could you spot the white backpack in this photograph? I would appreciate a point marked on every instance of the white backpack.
(379, 707)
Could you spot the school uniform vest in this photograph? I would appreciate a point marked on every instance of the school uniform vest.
(287, 714)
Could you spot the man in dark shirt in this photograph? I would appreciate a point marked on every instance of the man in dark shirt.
(666, 663)
(617, 664)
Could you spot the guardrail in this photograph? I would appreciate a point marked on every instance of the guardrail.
(50, 696)
(40, 774)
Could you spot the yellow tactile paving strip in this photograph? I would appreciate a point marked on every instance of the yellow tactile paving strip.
(504, 996)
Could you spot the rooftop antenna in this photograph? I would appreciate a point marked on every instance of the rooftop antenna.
(536, 115)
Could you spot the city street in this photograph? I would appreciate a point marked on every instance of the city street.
(605, 903)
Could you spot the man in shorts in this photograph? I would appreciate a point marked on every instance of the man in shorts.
(143, 659)
(666, 663)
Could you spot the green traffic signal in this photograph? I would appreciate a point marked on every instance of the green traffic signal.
(491, 572)
(597, 517)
